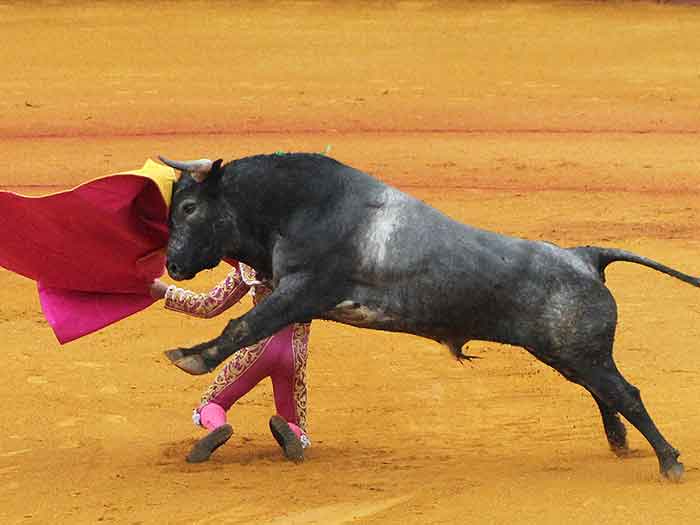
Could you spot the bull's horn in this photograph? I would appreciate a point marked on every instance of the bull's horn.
(199, 169)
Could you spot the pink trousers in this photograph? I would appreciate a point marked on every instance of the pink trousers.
(282, 358)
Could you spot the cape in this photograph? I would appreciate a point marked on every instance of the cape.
(93, 250)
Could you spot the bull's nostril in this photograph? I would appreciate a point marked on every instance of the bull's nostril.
(173, 268)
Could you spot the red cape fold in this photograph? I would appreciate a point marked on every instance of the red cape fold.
(93, 249)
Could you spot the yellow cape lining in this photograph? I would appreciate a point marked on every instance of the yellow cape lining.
(163, 176)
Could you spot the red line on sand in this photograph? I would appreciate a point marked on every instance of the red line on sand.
(346, 131)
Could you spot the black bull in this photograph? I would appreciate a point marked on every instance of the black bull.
(340, 245)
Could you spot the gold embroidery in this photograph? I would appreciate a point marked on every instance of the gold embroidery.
(202, 304)
(247, 357)
(260, 289)
(247, 274)
(300, 339)
(234, 368)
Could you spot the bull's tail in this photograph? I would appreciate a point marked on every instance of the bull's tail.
(602, 257)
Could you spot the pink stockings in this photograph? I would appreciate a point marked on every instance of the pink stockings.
(212, 416)
(281, 357)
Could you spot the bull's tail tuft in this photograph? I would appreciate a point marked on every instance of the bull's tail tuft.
(602, 257)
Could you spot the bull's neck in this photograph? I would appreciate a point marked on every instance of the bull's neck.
(254, 257)
(264, 199)
(248, 243)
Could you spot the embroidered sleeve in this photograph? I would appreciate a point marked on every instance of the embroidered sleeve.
(224, 295)
(248, 274)
(259, 289)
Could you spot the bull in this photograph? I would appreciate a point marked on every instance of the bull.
(340, 245)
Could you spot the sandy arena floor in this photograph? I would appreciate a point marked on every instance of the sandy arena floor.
(576, 122)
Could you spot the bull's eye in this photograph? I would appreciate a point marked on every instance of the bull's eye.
(189, 208)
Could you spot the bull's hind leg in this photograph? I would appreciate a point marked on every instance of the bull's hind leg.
(608, 385)
(614, 428)
(598, 374)
(576, 339)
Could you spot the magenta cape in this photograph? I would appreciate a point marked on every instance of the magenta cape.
(93, 249)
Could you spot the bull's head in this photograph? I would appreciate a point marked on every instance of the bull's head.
(196, 221)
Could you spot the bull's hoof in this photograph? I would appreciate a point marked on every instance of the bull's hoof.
(621, 451)
(206, 446)
(193, 364)
(674, 473)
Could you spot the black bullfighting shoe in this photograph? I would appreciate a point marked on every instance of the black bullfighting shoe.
(289, 442)
(206, 446)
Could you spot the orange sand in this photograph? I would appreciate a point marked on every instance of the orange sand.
(573, 122)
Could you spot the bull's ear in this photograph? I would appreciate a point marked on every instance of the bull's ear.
(213, 172)
(216, 168)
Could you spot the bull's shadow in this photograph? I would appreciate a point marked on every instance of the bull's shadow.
(338, 244)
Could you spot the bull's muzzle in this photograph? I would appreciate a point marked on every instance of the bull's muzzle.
(177, 272)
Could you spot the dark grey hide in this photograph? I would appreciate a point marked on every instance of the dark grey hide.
(340, 245)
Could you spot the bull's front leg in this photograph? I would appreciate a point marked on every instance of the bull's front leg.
(291, 302)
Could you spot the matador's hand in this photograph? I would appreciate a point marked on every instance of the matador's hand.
(158, 289)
